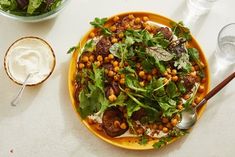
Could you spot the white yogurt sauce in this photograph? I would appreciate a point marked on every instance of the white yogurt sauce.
(30, 55)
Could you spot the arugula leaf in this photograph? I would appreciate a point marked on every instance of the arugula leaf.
(114, 49)
(55, 4)
(33, 5)
(99, 23)
(89, 101)
(159, 53)
(172, 90)
(181, 31)
(71, 49)
(181, 87)
(194, 56)
(161, 67)
(89, 46)
(177, 132)
(8, 4)
(143, 140)
(127, 70)
(98, 77)
(133, 83)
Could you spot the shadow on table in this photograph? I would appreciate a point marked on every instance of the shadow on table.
(89, 142)
(8, 91)
(219, 70)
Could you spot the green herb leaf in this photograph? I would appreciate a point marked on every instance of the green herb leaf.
(8, 5)
(89, 46)
(162, 142)
(99, 23)
(194, 56)
(33, 5)
(191, 99)
(172, 90)
(72, 49)
(181, 31)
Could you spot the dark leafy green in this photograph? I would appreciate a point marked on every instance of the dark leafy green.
(181, 31)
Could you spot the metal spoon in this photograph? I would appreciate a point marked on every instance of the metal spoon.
(189, 116)
(17, 98)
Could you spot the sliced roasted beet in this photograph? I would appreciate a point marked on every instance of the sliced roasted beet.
(137, 115)
(189, 82)
(166, 32)
(102, 47)
(115, 88)
(111, 115)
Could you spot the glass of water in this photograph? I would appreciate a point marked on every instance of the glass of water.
(196, 9)
(225, 50)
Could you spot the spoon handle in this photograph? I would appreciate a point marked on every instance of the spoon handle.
(216, 89)
(16, 100)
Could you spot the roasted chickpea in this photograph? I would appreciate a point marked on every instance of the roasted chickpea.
(180, 106)
(99, 58)
(145, 18)
(131, 16)
(85, 59)
(186, 96)
(114, 40)
(174, 121)
(112, 98)
(148, 28)
(81, 65)
(165, 129)
(116, 77)
(106, 71)
(137, 20)
(174, 72)
(91, 58)
(122, 75)
(122, 81)
(111, 73)
(197, 99)
(165, 120)
(88, 64)
(121, 35)
(110, 56)
(193, 74)
(201, 89)
(106, 59)
(141, 74)
(115, 63)
(113, 28)
(149, 77)
(175, 78)
(123, 126)
(116, 18)
(168, 70)
(165, 73)
(165, 80)
(192, 69)
(92, 34)
(97, 63)
(116, 69)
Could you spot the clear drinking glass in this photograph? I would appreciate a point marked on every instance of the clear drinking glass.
(195, 9)
(225, 50)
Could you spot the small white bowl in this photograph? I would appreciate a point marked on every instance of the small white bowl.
(37, 40)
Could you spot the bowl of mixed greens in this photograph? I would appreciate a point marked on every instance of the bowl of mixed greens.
(131, 77)
(31, 10)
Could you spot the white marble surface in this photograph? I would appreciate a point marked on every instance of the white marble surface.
(45, 125)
